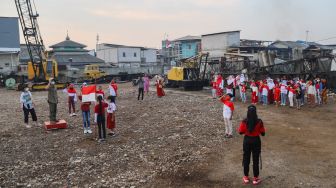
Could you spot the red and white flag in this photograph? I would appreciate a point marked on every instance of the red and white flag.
(89, 93)
(168, 44)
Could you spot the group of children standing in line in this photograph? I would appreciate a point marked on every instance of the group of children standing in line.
(271, 91)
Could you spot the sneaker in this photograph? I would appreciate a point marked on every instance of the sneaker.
(111, 133)
(70, 115)
(37, 124)
(100, 140)
(89, 131)
(226, 135)
(74, 114)
(27, 125)
(85, 131)
(229, 136)
(246, 179)
(256, 181)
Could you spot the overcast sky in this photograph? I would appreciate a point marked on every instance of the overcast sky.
(146, 22)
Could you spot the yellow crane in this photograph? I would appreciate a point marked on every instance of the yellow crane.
(40, 68)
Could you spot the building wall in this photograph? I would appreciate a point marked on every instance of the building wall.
(109, 55)
(189, 48)
(217, 44)
(129, 55)
(149, 55)
(9, 62)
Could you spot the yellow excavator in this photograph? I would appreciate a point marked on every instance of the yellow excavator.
(40, 68)
(191, 74)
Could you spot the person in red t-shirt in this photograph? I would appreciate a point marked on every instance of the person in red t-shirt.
(85, 107)
(252, 127)
(72, 98)
(277, 92)
(100, 118)
(100, 91)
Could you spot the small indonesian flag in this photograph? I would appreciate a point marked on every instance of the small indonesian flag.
(89, 93)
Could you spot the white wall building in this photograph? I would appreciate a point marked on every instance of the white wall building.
(126, 56)
(217, 43)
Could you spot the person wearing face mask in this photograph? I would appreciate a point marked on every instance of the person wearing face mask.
(28, 106)
(52, 100)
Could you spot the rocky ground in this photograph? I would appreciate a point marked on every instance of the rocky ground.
(174, 141)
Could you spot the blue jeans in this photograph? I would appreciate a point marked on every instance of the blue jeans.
(303, 96)
(283, 98)
(260, 98)
(243, 96)
(86, 119)
(264, 98)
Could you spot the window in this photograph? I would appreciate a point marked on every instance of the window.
(7, 64)
(135, 54)
(124, 54)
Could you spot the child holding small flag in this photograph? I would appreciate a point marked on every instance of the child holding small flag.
(85, 107)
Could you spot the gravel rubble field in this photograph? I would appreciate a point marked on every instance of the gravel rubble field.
(173, 141)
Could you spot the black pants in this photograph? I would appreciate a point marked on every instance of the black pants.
(26, 112)
(141, 91)
(101, 127)
(251, 145)
(114, 97)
